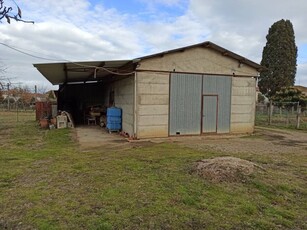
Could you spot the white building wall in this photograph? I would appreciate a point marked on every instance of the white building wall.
(152, 104)
(243, 105)
(124, 99)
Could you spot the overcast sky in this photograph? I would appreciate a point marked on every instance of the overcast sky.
(83, 30)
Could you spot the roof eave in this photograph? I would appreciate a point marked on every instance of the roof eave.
(215, 47)
(58, 73)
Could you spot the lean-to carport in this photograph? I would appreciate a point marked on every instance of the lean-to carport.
(83, 72)
(85, 84)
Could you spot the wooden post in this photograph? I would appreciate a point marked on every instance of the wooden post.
(8, 96)
(298, 117)
(17, 112)
(270, 112)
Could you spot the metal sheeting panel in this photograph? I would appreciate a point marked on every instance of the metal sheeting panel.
(60, 73)
(221, 86)
(210, 114)
(185, 104)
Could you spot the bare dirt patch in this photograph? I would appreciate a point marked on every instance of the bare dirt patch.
(95, 137)
(268, 148)
(264, 141)
(225, 169)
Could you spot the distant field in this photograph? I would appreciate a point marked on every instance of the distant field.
(46, 182)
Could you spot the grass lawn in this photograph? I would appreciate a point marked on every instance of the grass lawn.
(46, 182)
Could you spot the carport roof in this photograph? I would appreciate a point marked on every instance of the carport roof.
(65, 72)
(72, 72)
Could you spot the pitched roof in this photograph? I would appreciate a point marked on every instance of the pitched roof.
(215, 47)
(59, 73)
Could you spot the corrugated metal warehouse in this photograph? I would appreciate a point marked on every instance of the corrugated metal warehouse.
(192, 90)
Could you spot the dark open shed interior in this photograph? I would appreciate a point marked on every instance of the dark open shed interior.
(81, 99)
(86, 87)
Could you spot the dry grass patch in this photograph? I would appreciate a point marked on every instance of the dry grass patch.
(225, 169)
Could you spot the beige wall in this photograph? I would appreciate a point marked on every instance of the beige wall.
(152, 104)
(243, 105)
(197, 60)
(124, 99)
(152, 88)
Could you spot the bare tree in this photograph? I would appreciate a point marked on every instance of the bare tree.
(6, 12)
(2, 77)
(42, 89)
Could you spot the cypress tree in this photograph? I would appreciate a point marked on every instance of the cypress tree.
(279, 57)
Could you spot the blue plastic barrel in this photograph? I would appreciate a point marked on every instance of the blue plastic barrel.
(114, 119)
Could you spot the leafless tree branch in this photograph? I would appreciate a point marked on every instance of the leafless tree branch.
(6, 12)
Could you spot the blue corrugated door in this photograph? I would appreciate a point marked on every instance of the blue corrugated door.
(185, 104)
(210, 114)
(220, 86)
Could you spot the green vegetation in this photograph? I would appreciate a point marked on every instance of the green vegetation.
(279, 57)
(46, 182)
(289, 97)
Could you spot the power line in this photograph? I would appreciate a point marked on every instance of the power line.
(28, 54)
(109, 71)
(61, 60)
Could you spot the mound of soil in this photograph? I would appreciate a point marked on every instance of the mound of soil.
(225, 169)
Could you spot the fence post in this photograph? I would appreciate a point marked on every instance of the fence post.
(298, 117)
(270, 113)
(8, 96)
(17, 115)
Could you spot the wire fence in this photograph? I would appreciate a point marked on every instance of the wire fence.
(279, 117)
(284, 116)
(13, 117)
(16, 106)
(16, 112)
